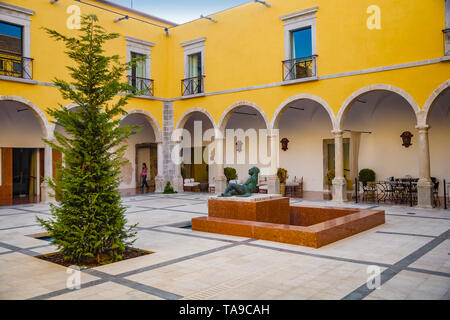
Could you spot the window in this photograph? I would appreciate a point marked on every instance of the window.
(15, 40)
(139, 78)
(194, 67)
(140, 74)
(10, 49)
(300, 44)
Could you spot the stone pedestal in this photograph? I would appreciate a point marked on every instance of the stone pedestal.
(339, 190)
(45, 193)
(273, 185)
(177, 184)
(262, 208)
(425, 194)
(159, 184)
(220, 184)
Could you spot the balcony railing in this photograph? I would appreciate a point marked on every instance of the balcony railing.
(192, 85)
(144, 86)
(13, 65)
(447, 41)
(300, 68)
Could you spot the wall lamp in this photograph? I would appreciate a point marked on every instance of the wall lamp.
(268, 5)
(53, 1)
(209, 18)
(166, 30)
(121, 18)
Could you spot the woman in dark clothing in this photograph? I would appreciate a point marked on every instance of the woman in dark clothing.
(144, 176)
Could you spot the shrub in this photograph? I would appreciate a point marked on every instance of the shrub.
(329, 178)
(366, 175)
(230, 173)
(282, 175)
(169, 189)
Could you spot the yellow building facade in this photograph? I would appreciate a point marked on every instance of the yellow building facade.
(342, 81)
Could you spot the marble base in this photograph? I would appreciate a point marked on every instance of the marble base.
(272, 219)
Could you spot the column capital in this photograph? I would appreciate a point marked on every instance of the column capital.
(424, 127)
(338, 132)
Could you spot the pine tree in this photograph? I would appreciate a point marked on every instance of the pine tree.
(88, 222)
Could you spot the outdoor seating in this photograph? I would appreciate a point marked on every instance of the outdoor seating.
(191, 185)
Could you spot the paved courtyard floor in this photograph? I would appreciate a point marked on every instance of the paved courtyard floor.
(412, 251)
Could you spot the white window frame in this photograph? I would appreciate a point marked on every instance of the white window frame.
(192, 47)
(299, 20)
(140, 47)
(22, 17)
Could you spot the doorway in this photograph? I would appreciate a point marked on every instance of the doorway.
(329, 160)
(147, 153)
(25, 175)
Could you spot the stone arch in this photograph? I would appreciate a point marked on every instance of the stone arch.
(229, 111)
(37, 112)
(279, 112)
(377, 87)
(53, 125)
(426, 111)
(151, 119)
(185, 117)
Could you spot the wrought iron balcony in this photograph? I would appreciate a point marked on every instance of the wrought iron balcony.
(14, 65)
(144, 86)
(300, 68)
(192, 85)
(447, 41)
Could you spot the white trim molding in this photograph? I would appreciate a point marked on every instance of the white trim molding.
(140, 47)
(192, 47)
(298, 14)
(22, 17)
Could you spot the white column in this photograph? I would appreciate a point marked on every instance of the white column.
(425, 185)
(220, 181)
(177, 179)
(159, 179)
(48, 174)
(273, 183)
(339, 182)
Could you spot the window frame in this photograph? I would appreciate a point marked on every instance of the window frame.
(20, 17)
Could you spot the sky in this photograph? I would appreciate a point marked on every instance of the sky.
(180, 11)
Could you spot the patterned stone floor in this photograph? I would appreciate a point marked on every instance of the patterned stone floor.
(412, 252)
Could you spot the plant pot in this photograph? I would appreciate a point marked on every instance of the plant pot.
(283, 189)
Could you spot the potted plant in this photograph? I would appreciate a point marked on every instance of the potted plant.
(282, 176)
(169, 189)
(230, 174)
(329, 178)
(366, 175)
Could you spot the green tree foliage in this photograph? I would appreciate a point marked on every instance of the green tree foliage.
(230, 173)
(88, 222)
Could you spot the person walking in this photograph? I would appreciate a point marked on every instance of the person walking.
(144, 176)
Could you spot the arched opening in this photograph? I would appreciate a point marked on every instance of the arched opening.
(22, 127)
(439, 133)
(373, 122)
(245, 127)
(307, 125)
(197, 149)
(142, 147)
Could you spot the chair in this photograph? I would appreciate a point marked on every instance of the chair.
(436, 200)
(370, 192)
(191, 185)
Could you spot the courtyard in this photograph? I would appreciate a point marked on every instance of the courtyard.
(411, 250)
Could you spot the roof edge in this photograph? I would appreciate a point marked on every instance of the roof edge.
(146, 15)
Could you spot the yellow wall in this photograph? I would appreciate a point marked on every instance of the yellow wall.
(246, 46)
